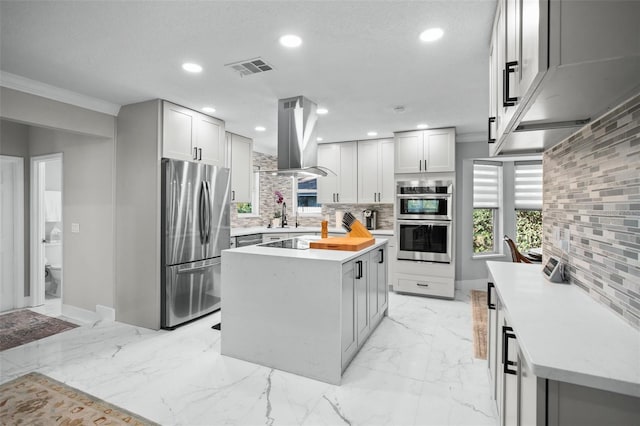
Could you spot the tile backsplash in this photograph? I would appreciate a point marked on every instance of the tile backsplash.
(592, 197)
(269, 184)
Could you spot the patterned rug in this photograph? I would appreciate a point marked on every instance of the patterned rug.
(20, 327)
(35, 399)
(479, 312)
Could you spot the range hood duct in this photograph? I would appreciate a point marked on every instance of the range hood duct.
(297, 145)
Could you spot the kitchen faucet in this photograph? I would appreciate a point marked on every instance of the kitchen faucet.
(283, 216)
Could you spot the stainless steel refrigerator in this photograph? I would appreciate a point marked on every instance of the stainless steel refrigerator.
(195, 229)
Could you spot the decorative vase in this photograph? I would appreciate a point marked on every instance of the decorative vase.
(275, 222)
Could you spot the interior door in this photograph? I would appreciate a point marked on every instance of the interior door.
(11, 232)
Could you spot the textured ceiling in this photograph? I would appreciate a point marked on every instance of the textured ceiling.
(359, 59)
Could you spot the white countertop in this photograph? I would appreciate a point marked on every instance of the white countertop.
(235, 232)
(309, 254)
(564, 334)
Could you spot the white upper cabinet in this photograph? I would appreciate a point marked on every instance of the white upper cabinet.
(425, 151)
(342, 159)
(375, 171)
(555, 65)
(241, 167)
(192, 136)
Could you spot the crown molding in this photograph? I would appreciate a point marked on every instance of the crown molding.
(33, 87)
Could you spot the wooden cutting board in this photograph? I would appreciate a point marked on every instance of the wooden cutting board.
(342, 243)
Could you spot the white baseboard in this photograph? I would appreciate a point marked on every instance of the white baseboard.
(83, 315)
(480, 284)
(106, 313)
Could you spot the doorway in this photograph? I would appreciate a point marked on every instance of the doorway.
(46, 230)
(12, 288)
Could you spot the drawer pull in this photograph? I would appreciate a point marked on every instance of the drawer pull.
(422, 285)
(490, 304)
(507, 333)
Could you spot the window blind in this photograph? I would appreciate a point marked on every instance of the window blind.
(528, 191)
(486, 185)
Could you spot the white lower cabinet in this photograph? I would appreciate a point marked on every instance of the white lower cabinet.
(364, 299)
(524, 399)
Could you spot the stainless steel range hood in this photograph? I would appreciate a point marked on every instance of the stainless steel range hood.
(297, 146)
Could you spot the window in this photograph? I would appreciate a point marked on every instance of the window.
(528, 203)
(487, 187)
(252, 208)
(307, 196)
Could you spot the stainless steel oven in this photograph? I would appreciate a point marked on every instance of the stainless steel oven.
(424, 240)
(423, 199)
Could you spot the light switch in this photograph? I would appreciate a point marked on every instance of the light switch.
(75, 228)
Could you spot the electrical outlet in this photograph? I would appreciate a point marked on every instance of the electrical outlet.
(75, 228)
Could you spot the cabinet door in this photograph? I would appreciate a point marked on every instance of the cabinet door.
(177, 132)
(381, 262)
(492, 128)
(374, 272)
(531, 398)
(512, 53)
(362, 292)
(241, 169)
(409, 152)
(440, 150)
(349, 344)
(209, 137)
(386, 186)
(368, 171)
(348, 174)
(500, 46)
(329, 157)
(492, 340)
(533, 44)
(509, 376)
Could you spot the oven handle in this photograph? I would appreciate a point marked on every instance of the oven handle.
(425, 196)
(423, 222)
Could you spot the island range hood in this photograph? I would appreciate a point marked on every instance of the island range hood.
(297, 145)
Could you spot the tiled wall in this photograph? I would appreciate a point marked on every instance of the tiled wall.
(592, 192)
(270, 183)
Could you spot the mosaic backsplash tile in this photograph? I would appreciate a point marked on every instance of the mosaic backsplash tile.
(269, 184)
(592, 193)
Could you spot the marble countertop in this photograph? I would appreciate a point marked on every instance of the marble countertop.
(235, 232)
(309, 254)
(564, 334)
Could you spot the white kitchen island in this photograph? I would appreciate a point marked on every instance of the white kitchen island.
(302, 311)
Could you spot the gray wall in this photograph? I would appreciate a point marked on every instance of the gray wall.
(592, 194)
(86, 139)
(14, 141)
(87, 199)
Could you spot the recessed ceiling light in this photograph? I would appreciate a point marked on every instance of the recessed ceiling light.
(422, 126)
(209, 109)
(290, 40)
(319, 139)
(322, 111)
(372, 134)
(432, 34)
(191, 67)
(260, 129)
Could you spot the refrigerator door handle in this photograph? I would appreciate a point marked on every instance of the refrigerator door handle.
(201, 212)
(209, 211)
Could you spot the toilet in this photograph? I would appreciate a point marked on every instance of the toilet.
(52, 275)
(53, 269)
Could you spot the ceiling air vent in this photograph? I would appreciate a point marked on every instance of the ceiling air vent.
(250, 66)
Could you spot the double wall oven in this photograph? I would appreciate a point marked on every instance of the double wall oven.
(424, 220)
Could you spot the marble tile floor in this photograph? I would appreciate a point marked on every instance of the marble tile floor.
(417, 368)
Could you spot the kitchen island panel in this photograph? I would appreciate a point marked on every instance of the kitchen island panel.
(284, 313)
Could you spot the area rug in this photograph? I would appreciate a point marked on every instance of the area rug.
(479, 312)
(20, 327)
(35, 399)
